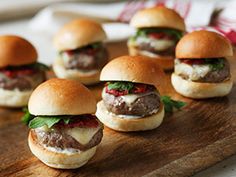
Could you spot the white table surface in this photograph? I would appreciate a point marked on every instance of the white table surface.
(226, 168)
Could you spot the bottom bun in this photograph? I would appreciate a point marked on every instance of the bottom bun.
(127, 125)
(87, 78)
(166, 62)
(14, 98)
(59, 159)
(200, 90)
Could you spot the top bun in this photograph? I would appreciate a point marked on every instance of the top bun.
(79, 33)
(15, 51)
(158, 17)
(61, 97)
(203, 44)
(137, 69)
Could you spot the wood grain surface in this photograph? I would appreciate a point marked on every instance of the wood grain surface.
(203, 133)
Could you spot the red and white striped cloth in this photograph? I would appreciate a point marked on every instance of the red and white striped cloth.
(197, 15)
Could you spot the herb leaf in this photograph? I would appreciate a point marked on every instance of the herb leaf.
(41, 121)
(27, 116)
(66, 120)
(216, 64)
(120, 86)
(37, 65)
(96, 45)
(144, 31)
(170, 104)
(41, 66)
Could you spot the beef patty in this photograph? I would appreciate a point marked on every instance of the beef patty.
(22, 81)
(86, 58)
(59, 139)
(147, 47)
(145, 104)
(214, 76)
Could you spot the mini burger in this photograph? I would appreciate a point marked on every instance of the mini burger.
(130, 98)
(158, 31)
(20, 72)
(81, 51)
(64, 133)
(201, 67)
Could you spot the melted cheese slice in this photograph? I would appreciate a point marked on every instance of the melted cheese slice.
(195, 72)
(130, 98)
(158, 44)
(82, 135)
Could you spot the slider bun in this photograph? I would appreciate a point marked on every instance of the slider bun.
(203, 44)
(88, 78)
(137, 69)
(16, 51)
(14, 98)
(127, 125)
(158, 17)
(198, 90)
(58, 159)
(165, 62)
(78, 33)
(61, 97)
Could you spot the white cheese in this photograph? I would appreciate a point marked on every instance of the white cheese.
(130, 98)
(82, 135)
(195, 72)
(162, 44)
(158, 44)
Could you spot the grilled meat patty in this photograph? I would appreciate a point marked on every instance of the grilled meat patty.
(22, 81)
(169, 51)
(203, 72)
(58, 138)
(143, 104)
(86, 58)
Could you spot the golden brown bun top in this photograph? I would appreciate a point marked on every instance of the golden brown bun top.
(61, 97)
(15, 51)
(137, 69)
(203, 44)
(158, 17)
(79, 33)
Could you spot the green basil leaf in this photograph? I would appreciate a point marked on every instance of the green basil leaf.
(41, 121)
(96, 45)
(27, 116)
(216, 64)
(41, 66)
(144, 31)
(170, 104)
(178, 104)
(36, 122)
(66, 120)
(121, 86)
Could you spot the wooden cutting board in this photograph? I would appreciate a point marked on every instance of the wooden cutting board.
(200, 135)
